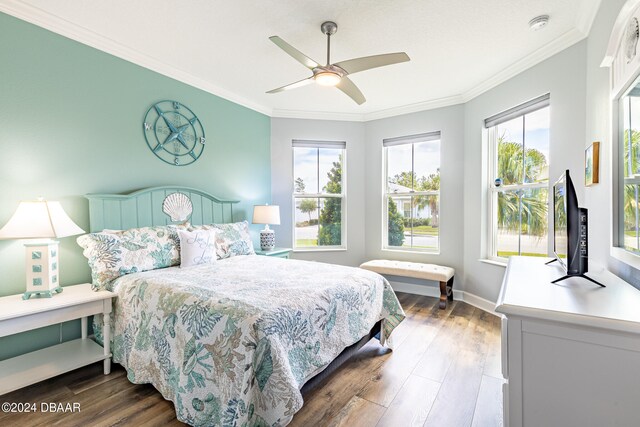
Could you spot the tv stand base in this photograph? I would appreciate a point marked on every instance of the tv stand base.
(578, 275)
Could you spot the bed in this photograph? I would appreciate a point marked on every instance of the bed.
(238, 341)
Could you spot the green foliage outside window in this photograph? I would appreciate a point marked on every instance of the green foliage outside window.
(631, 203)
(513, 170)
(330, 233)
(396, 225)
(308, 206)
(428, 183)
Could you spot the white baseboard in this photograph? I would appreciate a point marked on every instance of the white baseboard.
(481, 303)
(432, 291)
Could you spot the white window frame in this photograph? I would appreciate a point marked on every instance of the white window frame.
(390, 142)
(343, 205)
(492, 214)
(627, 176)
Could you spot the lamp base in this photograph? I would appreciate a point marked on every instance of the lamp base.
(42, 269)
(41, 294)
(267, 239)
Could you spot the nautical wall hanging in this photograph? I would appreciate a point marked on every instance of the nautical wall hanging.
(174, 133)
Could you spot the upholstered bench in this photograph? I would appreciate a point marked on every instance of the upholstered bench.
(417, 270)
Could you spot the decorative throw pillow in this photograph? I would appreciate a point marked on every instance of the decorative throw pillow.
(231, 239)
(197, 247)
(114, 254)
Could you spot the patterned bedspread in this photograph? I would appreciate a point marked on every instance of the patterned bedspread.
(232, 343)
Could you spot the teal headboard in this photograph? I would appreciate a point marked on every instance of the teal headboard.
(143, 208)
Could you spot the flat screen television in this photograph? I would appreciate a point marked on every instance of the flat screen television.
(570, 230)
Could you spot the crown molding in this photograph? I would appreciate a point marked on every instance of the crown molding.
(374, 115)
(414, 108)
(584, 20)
(90, 38)
(43, 19)
(563, 42)
(317, 115)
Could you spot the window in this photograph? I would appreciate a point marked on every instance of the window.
(519, 180)
(630, 158)
(412, 193)
(319, 195)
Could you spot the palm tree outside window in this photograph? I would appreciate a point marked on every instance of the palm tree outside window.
(519, 181)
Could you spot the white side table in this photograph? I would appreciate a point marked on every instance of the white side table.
(76, 302)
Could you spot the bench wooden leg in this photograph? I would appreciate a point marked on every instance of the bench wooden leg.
(443, 296)
(446, 293)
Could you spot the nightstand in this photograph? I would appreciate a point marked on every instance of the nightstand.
(76, 302)
(275, 252)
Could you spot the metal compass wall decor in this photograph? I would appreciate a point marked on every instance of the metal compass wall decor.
(174, 133)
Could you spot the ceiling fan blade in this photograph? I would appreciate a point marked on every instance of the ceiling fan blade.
(348, 87)
(368, 62)
(293, 85)
(294, 53)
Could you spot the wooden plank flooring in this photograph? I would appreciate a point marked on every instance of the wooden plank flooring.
(444, 371)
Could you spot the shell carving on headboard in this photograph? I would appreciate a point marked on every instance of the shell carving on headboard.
(178, 206)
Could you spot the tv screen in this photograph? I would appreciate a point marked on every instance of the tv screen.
(560, 246)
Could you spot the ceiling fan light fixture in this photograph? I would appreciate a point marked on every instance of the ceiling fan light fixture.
(327, 78)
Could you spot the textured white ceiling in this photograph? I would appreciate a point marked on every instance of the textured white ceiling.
(457, 47)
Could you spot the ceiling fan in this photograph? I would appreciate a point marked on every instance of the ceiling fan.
(336, 74)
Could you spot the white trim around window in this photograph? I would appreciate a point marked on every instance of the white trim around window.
(319, 195)
(491, 123)
(409, 194)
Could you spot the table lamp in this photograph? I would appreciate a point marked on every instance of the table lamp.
(267, 214)
(40, 220)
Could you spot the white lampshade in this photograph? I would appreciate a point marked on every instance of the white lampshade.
(266, 214)
(39, 219)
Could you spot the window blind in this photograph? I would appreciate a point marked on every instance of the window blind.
(411, 139)
(519, 110)
(319, 144)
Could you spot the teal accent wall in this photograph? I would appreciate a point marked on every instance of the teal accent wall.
(71, 124)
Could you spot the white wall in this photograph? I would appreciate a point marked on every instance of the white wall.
(598, 128)
(283, 131)
(564, 76)
(450, 122)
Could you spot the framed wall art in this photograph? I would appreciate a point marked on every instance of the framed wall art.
(592, 164)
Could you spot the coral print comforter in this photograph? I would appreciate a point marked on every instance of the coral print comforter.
(233, 342)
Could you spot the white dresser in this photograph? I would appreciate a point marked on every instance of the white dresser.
(570, 351)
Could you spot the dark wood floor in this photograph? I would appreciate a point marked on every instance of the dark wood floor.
(444, 371)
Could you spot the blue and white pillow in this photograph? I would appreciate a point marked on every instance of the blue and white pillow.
(231, 239)
(197, 247)
(113, 253)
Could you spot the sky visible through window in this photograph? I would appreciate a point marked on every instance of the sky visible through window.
(426, 162)
(536, 131)
(312, 164)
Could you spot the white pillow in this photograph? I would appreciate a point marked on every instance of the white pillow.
(197, 247)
